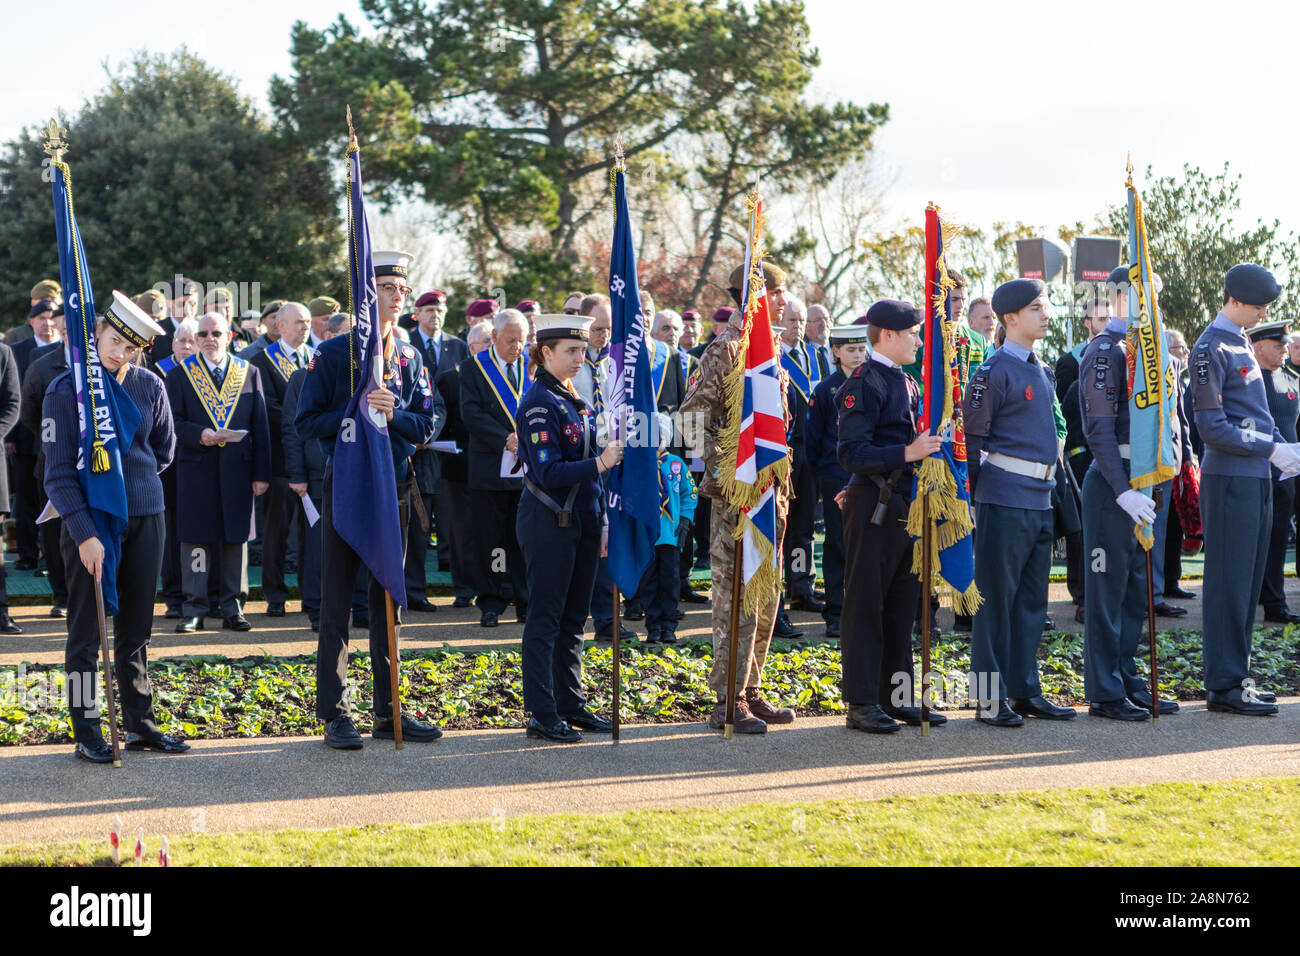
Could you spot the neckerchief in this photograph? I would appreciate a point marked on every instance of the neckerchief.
(594, 366)
(219, 406)
(507, 396)
(665, 503)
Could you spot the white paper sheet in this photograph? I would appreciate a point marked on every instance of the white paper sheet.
(231, 434)
(508, 463)
(446, 447)
(310, 511)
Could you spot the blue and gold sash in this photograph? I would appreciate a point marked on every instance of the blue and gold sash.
(798, 377)
(219, 406)
(814, 366)
(166, 365)
(658, 366)
(507, 396)
(281, 358)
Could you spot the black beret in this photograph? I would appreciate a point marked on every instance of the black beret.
(892, 314)
(1118, 276)
(43, 305)
(1015, 295)
(1251, 284)
(1270, 330)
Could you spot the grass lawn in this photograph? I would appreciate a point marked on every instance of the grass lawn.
(1182, 824)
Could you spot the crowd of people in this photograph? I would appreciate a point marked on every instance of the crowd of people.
(500, 452)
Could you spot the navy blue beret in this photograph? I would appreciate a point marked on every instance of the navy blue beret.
(892, 314)
(1118, 275)
(1251, 284)
(41, 305)
(1015, 295)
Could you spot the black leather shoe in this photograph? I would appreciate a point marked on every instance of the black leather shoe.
(832, 628)
(412, 729)
(1281, 616)
(424, 606)
(1181, 593)
(1267, 696)
(521, 613)
(156, 741)
(870, 718)
(692, 596)
(58, 610)
(633, 612)
(25, 564)
(189, 625)
(1170, 610)
(784, 630)
(1078, 614)
(1143, 699)
(461, 602)
(961, 623)
(652, 635)
(1005, 716)
(341, 734)
(96, 751)
(275, 610)
(625, 635)
(1048, 624)
(7, 624)
(315, 626)
(560, 732)
(236, 622)
(912, 716)
(806, 602)
(173, 613)
(487, 619)
(668, 636)
(586, 720)
(1042, 708)
(1118, 710)
(1237, 702)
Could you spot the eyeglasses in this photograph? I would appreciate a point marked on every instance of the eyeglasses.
(388, 288)
(205, 333)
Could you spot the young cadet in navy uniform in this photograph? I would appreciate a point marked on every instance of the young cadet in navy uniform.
(1241, 440)
(119, 338)
(849, 349)
(560, 524)
(1283, 389)
(406, 401)
(1008, 415)
(877, 445)
(1115, 595)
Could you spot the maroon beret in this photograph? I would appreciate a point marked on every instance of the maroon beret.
(690, 314)
(723, 314)
(528, 305)
(481, 307)
(431, 298)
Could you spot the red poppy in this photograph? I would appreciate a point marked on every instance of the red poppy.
(1029, 393)
(848, 401)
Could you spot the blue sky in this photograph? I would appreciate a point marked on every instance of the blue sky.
(1004, 110)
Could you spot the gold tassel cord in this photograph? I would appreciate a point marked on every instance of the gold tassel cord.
(99, 458)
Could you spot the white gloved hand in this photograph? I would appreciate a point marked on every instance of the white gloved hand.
(1285, 457)
(1138, 507)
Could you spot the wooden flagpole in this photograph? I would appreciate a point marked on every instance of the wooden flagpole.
(1151, 622)
(108, 671)
(926, 571)
(733, 638)
(394, 672)
(618, 654)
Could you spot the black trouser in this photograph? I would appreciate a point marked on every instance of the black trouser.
(50, 532)
(417, 552)
(198, 577)
(172, 594)
(660, 589)
(1075, 579)
(880, 598)
(832, 548)
(703, 513)
(309, 562)
(500, 562)
(1273, 592)
(797, 548)
(275, 538)
(339, 568)
(29, 542)
(561, 569)
(454, 511)
(1174, 545)
(137, 572)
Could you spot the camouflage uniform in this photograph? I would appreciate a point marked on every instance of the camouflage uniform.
(704, 416)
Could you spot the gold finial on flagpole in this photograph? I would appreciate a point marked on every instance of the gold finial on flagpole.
(1129, 168)
(352, 133)
(54, 143)
(620, 164)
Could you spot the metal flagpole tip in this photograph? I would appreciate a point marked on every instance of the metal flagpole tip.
(619, 159)
(117, 763)
(925, 728)
(401, 746)
(727, 731)
(54, 144)
(352, 133)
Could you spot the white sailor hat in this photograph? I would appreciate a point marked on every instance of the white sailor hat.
(389, 262)
(551, 326)
(1270, 330)
(848, 334)
(131, 321)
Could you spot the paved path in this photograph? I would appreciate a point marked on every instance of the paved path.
(234, 785)
(44, 637)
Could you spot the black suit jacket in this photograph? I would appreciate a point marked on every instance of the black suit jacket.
(488, 426)
(10, 404)
(45, 365)
(429, 464)
(304, 460)
(274, 385)
(24, 438)
(161, 346)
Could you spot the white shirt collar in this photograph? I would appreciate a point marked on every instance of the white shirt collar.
(883, 360)
(213, 367)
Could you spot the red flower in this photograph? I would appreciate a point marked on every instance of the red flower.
(1029, 393)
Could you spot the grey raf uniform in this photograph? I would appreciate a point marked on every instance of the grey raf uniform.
(1008, 415)
(1232, 416)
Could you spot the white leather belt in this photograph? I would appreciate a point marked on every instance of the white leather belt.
(1021, 466)
(1125, 452)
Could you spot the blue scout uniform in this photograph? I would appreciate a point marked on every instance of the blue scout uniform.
(1008, 415)
(822, 440)
(1115, 596)
(1232, 416)
(322, 403)
(660, 586)
(876, 425)
(561, 513)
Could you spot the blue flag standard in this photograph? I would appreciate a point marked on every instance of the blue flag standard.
(107, 416)
(365, 484)
(633, 484)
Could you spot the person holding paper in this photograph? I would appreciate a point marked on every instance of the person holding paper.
(214, 395)
(491, 383)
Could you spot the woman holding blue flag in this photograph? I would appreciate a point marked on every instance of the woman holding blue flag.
(560, 528)
(120, 336)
